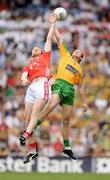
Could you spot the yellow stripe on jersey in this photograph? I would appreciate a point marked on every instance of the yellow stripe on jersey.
(68, 69)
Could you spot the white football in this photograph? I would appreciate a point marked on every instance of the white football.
(60, 13)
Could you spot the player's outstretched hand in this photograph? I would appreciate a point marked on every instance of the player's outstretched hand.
(85, 107)
(25, 82)
(52, 18)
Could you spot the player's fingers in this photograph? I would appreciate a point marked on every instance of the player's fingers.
(28, 82)
(20, 83)
(85, 109)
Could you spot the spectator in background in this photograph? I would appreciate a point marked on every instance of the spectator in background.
(3, 56)
(4, 138)
(3, 78)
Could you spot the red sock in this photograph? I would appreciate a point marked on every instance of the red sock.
(26, 134)
(32, 147)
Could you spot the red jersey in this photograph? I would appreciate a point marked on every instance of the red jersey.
(38, 66)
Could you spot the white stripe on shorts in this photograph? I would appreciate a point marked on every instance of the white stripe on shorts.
(46, 90)
(38, 90)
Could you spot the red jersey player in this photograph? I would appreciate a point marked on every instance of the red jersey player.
(36, 75)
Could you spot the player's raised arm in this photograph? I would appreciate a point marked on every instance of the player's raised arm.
(61, 44)
(48, 43)
(58, 35)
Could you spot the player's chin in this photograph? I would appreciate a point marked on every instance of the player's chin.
(34, 54)
(37, 53)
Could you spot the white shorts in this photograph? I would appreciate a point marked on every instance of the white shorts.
(38, 90)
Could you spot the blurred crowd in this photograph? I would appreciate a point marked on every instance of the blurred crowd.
(23, 24)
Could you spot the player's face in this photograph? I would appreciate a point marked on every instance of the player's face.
(78, 54)
(36, 51)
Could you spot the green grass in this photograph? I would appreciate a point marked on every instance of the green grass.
(52, 176)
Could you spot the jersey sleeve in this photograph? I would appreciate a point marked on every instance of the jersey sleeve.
(63, 48)
(25, 69)
(78, 79)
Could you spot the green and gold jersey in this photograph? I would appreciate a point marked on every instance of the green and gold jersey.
(68, 69)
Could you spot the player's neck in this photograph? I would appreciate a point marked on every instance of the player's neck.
(36, 55)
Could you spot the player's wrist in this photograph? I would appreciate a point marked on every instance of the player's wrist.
(24, 79)
(52, 24)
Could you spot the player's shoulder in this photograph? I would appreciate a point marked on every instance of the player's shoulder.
(29, 60)
(61, 42)
(46, 53)
(62, 45)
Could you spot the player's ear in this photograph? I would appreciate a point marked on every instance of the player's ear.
(82, 56)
